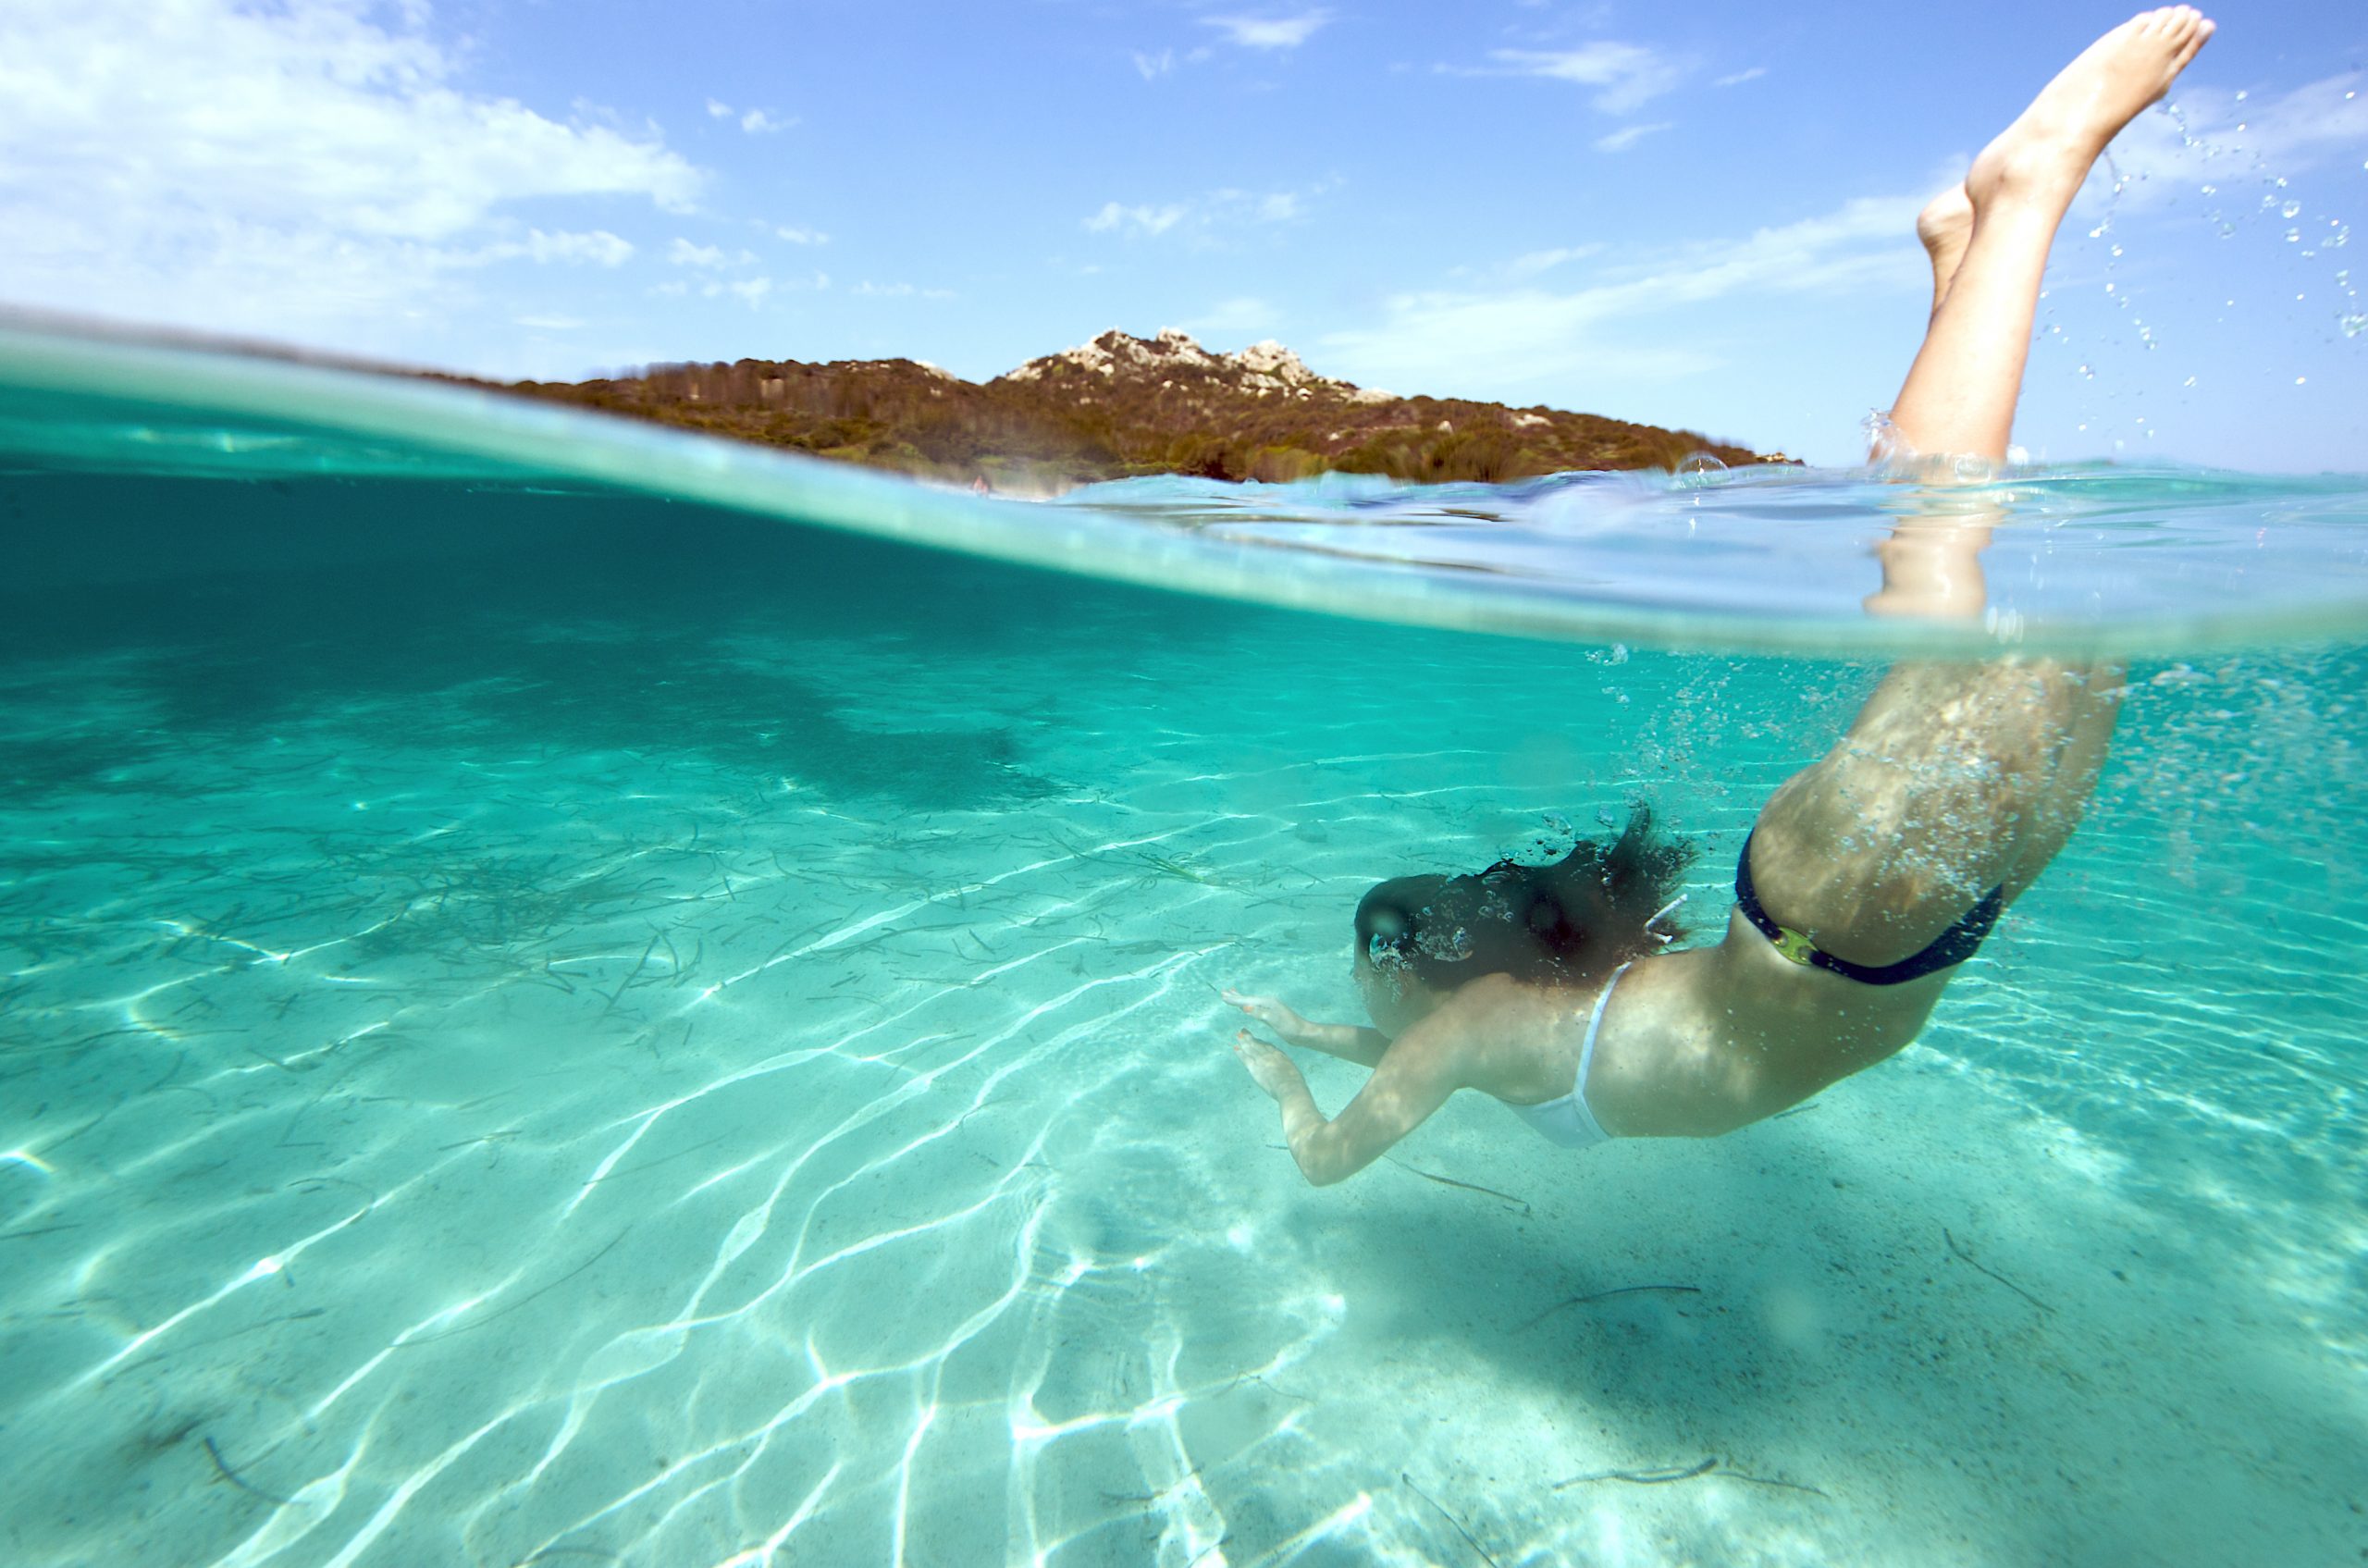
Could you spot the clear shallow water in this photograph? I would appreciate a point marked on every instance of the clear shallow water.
(544, 1021)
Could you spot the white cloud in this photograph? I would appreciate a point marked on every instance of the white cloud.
(549, 322)
(1154, 66)
(1519, 335)
(802, 236)
(1627, 136)
(1218, 209)
(312, 170)
(600, 247)
(899, 291)
(1535, 262)
(1629, 75)
(1141, 219)
(1736, 79)
(681, 252)
(1269, 32)
(751, 292)
(756, 122)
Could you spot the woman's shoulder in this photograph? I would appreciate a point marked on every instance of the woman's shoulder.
(1516, 1039)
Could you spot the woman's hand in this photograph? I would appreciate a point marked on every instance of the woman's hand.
(1269, 1068)
(1275, 1015)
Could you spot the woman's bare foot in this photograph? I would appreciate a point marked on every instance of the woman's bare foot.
(1945, 224)
(2047, 153)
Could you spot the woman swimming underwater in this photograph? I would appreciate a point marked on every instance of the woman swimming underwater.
(1867, 877)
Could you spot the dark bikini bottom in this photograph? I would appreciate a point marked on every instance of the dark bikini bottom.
(1953, 946)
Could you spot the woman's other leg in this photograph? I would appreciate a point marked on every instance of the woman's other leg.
(1945, 224)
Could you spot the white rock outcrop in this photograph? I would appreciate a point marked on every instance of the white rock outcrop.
(1261, 368)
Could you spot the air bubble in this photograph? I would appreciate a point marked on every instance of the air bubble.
(2089, 374)
(2353, 324)
(2292, 209)
(2293, 235)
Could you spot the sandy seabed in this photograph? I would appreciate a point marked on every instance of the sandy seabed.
(435, 1145)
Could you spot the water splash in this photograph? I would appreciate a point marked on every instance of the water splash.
(1700, 470)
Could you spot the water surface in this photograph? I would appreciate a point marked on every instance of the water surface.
(572, 993)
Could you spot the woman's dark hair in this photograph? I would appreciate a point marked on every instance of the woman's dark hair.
(1570, 922)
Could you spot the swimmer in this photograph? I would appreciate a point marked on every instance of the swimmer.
(1869, 877)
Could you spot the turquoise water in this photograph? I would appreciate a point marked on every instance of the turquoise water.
(568, 993)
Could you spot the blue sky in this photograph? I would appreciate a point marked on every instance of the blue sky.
(1693, 215)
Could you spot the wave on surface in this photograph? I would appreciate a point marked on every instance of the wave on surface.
(2096, 557)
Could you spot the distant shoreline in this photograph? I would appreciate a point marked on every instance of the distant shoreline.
(1124, 407)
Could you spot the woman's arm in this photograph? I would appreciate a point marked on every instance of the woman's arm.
(1346, 1041)
(1416, 1075)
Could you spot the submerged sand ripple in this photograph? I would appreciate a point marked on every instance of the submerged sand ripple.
(438, 1154)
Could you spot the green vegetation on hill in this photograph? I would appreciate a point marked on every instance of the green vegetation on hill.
(1124, 406)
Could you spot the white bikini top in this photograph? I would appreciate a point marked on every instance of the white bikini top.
(1567, 1120)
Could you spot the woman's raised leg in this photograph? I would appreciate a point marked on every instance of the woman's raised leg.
(1959, 778)
(1960, 394)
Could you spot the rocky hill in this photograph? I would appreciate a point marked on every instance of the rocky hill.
(1120, 406)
